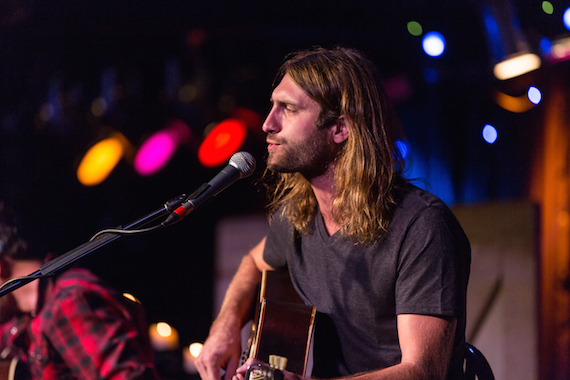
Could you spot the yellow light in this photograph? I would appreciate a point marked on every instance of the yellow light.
(163, 329)
(517, 65)
(163, 337)
(100, 160)
(195, 349)
(131, 297)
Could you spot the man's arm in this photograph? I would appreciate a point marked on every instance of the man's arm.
(426, 343)
(222, 349)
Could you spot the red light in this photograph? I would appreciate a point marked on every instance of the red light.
(223, 141)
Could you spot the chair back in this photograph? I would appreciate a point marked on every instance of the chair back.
(476, 366)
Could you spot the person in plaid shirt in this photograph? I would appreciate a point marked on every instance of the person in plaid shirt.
(73, 326)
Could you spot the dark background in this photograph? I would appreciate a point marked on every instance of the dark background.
(61, 51)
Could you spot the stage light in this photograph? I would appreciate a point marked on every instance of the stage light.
(490, 134)
(222, 142)
(433, 44)
(156, 151)
(566, 18)
(510, 50)
(101, 159)
(516, 65)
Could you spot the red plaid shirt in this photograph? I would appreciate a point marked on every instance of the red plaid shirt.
(83, 331)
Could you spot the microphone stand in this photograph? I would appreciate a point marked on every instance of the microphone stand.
(67, 259)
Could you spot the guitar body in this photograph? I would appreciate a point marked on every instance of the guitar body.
(283, 325)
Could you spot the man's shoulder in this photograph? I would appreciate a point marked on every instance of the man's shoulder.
(80, 280)
(415, 203)
(416, 198)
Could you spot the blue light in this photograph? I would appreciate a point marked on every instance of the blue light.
(545, 45)
(534, 95)
(489, 134)
(430, 75)
(402, 147)
(433, 44)
(566, 18)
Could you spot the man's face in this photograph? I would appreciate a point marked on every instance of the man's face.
(294, 142)
(26, 297)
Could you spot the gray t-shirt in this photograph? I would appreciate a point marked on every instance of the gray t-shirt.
(420, 265)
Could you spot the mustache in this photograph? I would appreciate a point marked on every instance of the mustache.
(274, 140)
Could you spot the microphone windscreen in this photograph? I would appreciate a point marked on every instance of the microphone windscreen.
(244, 162)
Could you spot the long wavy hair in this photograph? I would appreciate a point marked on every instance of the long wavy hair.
(368, 168)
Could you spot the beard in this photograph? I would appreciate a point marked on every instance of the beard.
(309, 157)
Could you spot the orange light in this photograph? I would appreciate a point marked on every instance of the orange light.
(101, 159)
(224, 140)
(515, 104)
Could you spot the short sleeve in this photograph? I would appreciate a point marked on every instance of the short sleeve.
(431, 272)
(277, 239)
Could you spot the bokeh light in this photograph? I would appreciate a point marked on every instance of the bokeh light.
(195, 349)
(547, 7)
(545, 45)
(534, 95)
(158, 149)
(222, 142)
(433, 44)
(414, 28)
(516, 66)
(101, 159)
(566, 18)
(490, 134)
(163, 337)
(517, 104)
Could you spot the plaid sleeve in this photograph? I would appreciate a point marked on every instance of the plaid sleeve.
(97, 336)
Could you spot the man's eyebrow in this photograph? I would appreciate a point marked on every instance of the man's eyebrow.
(282, 102)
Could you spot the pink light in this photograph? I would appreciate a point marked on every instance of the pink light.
(158, 149)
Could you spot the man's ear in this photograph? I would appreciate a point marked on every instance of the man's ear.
(341, 130)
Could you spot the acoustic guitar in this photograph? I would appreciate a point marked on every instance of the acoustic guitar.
(283, 325)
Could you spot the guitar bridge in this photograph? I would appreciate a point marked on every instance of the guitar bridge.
(260, 371)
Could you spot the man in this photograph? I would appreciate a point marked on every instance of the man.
(70, 327)
(385, 263)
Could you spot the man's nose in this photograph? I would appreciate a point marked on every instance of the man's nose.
(270, 125)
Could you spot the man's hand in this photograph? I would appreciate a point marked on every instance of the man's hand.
(241, 371)
(222, 350)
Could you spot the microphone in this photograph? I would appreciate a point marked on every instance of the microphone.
(241, 165)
